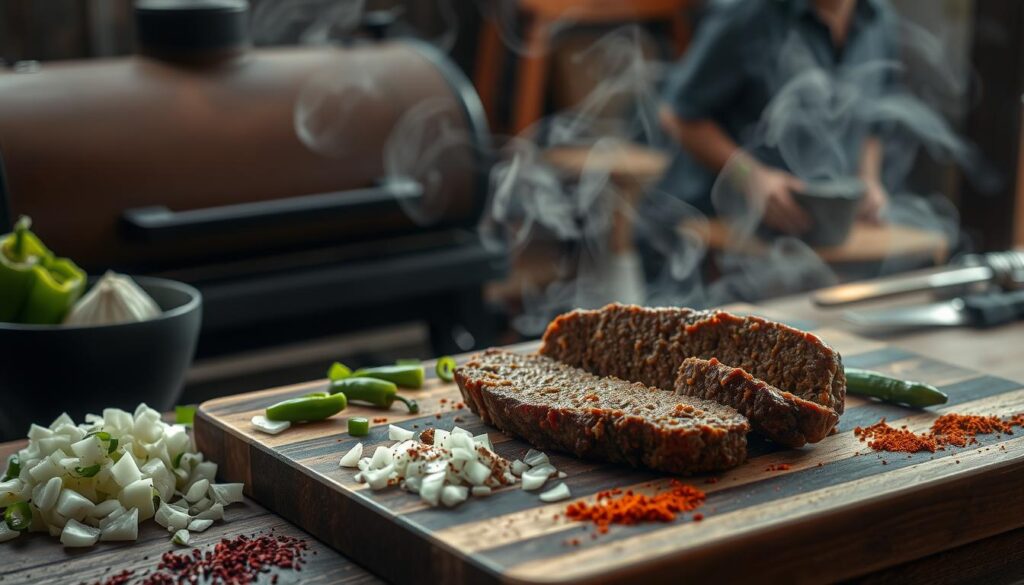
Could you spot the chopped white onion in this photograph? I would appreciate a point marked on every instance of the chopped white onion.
(271, 427)
(226, 493)
(49, 494)
(396, 433)
(452, 495)
(72, 504)
(199, 525)
(216, 512)
(126, 471)
(481, 490)
(532, 481)
(519, 468)
(197, 491)
(559, 492)
(351, 459)
(181, 537)
(76, 534)
(124, 527)
(534, 458)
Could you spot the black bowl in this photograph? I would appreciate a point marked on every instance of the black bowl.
(832, 206)
(49, 369)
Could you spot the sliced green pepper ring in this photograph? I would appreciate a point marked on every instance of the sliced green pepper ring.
(358, 426)
(18, 516)
(445, 368)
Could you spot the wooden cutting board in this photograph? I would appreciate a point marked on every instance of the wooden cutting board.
(838, 510)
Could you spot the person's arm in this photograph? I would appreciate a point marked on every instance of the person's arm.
(771, 188)
(875, 195)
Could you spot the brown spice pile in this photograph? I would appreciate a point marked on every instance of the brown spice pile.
(625, 507)
(239, 560)
(958, 430)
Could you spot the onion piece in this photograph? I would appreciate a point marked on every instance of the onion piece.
(481, 490)
(271, 427)
(76, 534)
(534, 458)
(532, 481)
(452, 495)
(559, 492)
(126, 471)
(199, 525)
(396, 433)
(72, 504)
(226, 493)
(351, 459)
(124, 527)
(181, 537)
(197, 491)
(519, 468)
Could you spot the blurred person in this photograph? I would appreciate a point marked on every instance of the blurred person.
(715, 97)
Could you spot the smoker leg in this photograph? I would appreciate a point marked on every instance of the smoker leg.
(459, 322)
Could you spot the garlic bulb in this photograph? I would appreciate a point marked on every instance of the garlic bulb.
(114, 299)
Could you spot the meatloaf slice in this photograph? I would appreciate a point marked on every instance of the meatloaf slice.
(648, 345)
(779, 416)
(555, 406)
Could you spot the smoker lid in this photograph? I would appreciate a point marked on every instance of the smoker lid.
(191, 27)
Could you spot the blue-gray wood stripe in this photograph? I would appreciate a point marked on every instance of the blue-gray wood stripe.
(771, 488)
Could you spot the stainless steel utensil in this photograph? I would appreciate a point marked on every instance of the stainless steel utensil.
(1003, 269)
(982, 310)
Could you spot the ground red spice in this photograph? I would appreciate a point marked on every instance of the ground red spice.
(779, 467)
(618, 507)
(954, 429)
(239, 560)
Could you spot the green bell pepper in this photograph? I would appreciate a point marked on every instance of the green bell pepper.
(35, 286)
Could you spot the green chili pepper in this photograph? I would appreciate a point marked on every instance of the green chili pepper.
(18, 516)
(358, 426)
(35, 287)
(185, 414)
(13, 467)
(338, 371)
(407, 362)
(377, 392)
(406, 376)
(106, 438)
(177, 460)
(308, 408)
(889, 389)
(445, 368)
(88, 471)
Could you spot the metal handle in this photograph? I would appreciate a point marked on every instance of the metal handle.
(160, 223)
(995, 309)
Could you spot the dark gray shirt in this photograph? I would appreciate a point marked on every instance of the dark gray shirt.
(748, 51)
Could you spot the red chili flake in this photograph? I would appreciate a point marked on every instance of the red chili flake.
(779, 467)
(239, 560)
(698, 517)
(380, 420)
(459, 406)
(711, 480)
(443, 401)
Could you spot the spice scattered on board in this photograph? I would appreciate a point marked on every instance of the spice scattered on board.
(239, 560)
(954, 429)
(779, 467)
(625, 507)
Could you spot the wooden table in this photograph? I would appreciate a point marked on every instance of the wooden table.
(998, 559)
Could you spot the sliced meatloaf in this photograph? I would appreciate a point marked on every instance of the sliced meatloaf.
(779, 416)
(555, 406)
(648, 345)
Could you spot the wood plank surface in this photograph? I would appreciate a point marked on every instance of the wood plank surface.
(839, 511)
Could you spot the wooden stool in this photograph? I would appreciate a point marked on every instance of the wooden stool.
(543, 17)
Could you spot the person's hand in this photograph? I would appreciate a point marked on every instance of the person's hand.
(772, 190)
(875, 200)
